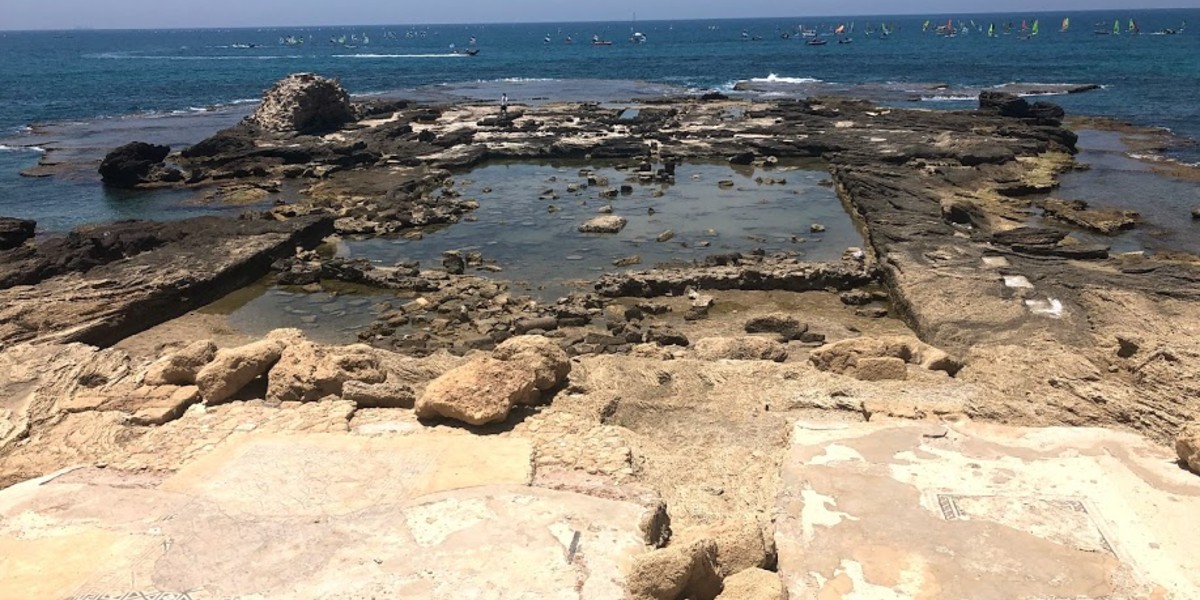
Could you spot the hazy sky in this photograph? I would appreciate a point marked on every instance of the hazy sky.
(105, 14)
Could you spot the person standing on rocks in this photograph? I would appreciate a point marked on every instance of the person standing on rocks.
(504, 105)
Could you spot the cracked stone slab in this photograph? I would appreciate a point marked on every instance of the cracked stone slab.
(319, 516)
(964, 510)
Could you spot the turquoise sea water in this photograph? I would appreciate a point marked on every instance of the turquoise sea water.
(97, 89)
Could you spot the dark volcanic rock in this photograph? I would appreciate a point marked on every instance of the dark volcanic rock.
(132, 164)
(1004, 104)
(14, 232)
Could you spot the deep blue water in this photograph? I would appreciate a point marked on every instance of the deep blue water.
(92, 78)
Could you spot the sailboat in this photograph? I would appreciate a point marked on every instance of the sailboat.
(1035, 27)
(1066, 24)
(596, 41)
(1117, 27)
(636, 37)
(992, 30)
(1133, 27)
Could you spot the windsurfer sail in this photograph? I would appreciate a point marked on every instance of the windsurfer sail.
(1066, 24)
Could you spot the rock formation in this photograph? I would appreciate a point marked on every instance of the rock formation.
(487, 388)
(304, 103)
(137, 163)
(14, 232)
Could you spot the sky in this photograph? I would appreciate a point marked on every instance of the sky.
(161, 14)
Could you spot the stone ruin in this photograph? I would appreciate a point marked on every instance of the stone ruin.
(304, 103)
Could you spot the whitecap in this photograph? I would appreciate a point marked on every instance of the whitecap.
(449, 55)
(950, 98)
(37, 149)
(773, 78)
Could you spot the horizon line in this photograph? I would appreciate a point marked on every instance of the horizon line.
(462, 24)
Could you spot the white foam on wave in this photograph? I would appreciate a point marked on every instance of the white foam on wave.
(773, 78)
(949, 98)
(448, 55)
(119, 56)
(37, 149)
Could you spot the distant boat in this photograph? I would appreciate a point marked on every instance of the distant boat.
(636, 37)
(546, 40)
(846, 41)
(596, 41)
(568, 41)
(817, 42)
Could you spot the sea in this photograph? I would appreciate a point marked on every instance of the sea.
(82, 92)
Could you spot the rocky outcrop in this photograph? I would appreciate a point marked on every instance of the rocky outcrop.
(14, 232)
(487, 388)
(107, 282)
(786, 327)
(603, 224)
(739, 272)
(307, 372)
(304, 103)
(388, 394)
(754, 584)
(875, 359)
(1187, 445)
(1107, 221)
(235, 368)
(675, 572)
(137, 163)
(181, 368)
(740, 348)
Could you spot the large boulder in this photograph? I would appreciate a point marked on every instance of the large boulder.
(604, 224)
(182, 367)
(232, 369)
(549, 361)
(1004, 104)
(678, 571)
(480, 392)
(304, 103)
(875, 359)
(754, 584)
(1187, 444)
(740, 348)
(136, 163)
(487, 388)
(741, 545)
(14, 232)
(307, 372)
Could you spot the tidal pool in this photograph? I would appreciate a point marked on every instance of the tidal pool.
(533, 236)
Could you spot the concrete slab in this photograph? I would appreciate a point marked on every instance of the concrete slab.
(904, 510)
(319, 516)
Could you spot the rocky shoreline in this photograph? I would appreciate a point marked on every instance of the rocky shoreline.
(680, 394)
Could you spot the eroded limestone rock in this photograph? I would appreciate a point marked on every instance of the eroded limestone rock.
(859, 357)
(675, 572)
(304, 103)
(182, 367)
(754, 584)
(307, 372)
(479, 392)
(234, 368)
(740, 348)
(1187, 444)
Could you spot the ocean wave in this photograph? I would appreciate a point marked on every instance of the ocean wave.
(950, 98)
(37, 149)
(120, 56)
(447, 55)
(773, 78)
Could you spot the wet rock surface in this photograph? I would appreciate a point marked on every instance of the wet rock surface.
(14, 232)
